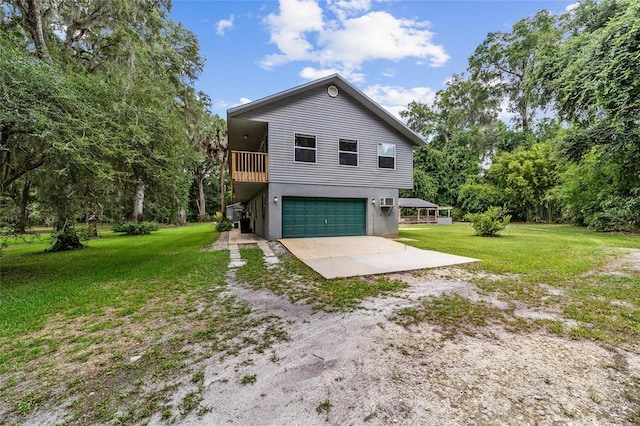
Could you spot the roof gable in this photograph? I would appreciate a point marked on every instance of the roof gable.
(343, 84)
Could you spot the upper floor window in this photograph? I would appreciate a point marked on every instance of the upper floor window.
(386, 155)
(348, 152)
(305, 149)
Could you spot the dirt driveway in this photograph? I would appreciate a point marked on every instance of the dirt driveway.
(363, 367)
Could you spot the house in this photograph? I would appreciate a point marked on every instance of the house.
(320, 159)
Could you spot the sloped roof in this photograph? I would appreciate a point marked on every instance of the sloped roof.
(414, 203)
(343, 84)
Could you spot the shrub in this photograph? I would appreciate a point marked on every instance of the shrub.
(489, 223)
(135, 228)
(224, 225)
(67, 238)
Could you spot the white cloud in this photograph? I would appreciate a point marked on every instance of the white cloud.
(572, 7)
(244, 101)
(379, 35)
(289, 29)
(345, 8)
(389, 72)
(301, 33)
(224, 24)
(311, 73)
(504, 113)
(395, 98)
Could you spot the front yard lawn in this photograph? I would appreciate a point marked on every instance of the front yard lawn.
(588, 277)
(113, 331)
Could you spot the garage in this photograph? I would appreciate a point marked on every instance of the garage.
(323, 217)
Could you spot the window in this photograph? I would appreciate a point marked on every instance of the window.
(348, 152)
(305, 149)
(386, 156)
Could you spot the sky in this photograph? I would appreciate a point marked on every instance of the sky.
(395, 51)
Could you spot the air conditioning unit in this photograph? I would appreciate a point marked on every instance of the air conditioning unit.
(387, 202)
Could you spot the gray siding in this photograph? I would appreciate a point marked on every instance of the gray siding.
(329, 119)
(254, 210)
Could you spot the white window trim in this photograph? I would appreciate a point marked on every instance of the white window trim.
(357, 152)
(395, 156)
(299, 147)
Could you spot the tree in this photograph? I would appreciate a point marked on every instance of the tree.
(461, 128)
(97, 109)
(45, 112)
(207, 134)
(439, 173)
(525, 179)
(594, 79)
(464, 106)
(595, 76)
(506, 63)
(222, 149)
(33, 13)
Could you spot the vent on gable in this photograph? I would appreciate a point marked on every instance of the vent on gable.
(332, 91)
(387, 202)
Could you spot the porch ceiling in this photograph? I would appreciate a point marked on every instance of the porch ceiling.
(238, 128)
(245, 191)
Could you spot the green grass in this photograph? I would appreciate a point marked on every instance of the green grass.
(453, 312)
(114, 271)
(559, 252)
(300, 283)
(71, 321)
(324, 407)
(527, 260)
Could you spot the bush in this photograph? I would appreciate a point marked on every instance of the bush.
(489, 223)
(135, 228)
(67, 239)
(618, 214)
(224, 225)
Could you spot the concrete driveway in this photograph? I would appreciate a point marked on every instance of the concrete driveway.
(335, 257)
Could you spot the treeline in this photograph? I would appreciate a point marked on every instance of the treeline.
(99, 118)
(571, 153)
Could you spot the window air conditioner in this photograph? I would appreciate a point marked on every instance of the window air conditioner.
(387, 202)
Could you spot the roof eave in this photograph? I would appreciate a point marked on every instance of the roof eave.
(386, 116)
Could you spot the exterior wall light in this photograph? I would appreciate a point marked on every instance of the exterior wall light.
(373, 201)
(275, 200)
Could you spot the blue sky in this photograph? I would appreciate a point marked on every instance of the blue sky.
(395, 51)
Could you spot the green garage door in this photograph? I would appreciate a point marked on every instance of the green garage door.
(323, 217)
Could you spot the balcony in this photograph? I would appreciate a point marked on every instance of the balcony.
(249, 166)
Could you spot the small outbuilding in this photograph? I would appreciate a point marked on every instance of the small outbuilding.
(416, 210)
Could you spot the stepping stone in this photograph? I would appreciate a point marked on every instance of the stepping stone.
(237, 264)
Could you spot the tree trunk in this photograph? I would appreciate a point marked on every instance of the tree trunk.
(32, 13)
(182, 216)
(202, 207)
(138, 202)
(21, 214)
(223, 186)
(92, 222)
